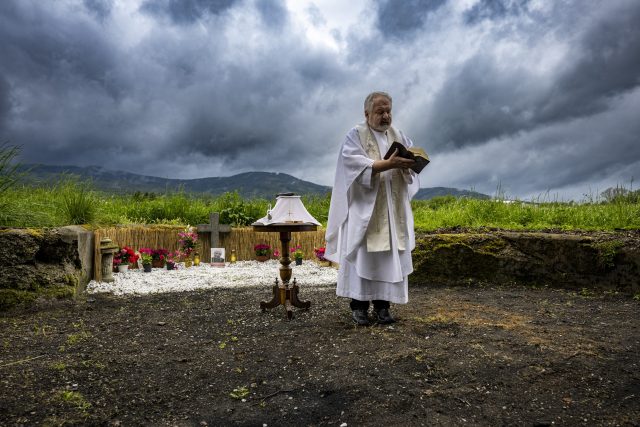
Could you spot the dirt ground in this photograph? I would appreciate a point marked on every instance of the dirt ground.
(457, 356)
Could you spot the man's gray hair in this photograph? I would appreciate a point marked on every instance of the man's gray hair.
(368, 102)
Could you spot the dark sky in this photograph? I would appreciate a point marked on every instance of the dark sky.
(538, 97)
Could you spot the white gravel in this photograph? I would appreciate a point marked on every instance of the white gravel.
(239, 274)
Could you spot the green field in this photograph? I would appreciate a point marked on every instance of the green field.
(72, 202)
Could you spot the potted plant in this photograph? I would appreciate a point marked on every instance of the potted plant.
(319, 252)
(159, 257)
(126, 256)
(262, 251)
(297, 254)
(172, 259)
(147, 259)
(187, 241)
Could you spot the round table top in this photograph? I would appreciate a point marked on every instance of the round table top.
(285, 226)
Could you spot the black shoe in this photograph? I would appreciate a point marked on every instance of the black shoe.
(360, 317)
(384, 317)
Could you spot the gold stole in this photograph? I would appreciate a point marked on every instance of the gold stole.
(378, 231)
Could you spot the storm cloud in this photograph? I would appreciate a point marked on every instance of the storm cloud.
(533, 96)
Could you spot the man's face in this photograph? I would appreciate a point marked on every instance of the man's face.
(379, 118)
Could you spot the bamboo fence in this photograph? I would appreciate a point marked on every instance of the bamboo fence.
(241, 239)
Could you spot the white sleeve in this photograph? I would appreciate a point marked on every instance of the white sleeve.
(366, 177)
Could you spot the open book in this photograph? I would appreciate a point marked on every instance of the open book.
(413, 153)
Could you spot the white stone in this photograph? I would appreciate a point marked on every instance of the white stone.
(239, 274)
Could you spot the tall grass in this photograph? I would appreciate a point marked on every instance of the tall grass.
(442, 212)
(8, 169)
(41, 207)
(76, 201)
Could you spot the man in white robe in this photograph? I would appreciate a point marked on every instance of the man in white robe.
(370, 227)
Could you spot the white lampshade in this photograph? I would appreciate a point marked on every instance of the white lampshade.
(288, 209)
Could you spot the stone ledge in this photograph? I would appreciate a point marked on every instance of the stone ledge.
(598, 260)
(40, 263)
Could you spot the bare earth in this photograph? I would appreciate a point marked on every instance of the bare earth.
(457, 356)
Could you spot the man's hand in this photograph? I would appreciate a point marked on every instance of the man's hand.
(393, 162)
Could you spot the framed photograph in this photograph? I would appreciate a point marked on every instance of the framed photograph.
(217, 257)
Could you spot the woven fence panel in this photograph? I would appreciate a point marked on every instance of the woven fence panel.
(243, 239)
(136, 237)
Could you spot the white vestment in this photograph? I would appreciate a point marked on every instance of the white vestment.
(374, 252)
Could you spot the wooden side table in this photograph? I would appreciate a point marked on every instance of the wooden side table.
(284, 293)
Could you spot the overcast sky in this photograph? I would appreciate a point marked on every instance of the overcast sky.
(540, 97)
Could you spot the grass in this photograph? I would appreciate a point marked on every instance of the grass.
(74, 398)
(446, 212)
(76, 202)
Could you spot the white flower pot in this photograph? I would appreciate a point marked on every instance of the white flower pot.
(123, 268)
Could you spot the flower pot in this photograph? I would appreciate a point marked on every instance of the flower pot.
(157, 263)
(187, 262)
(170, 266)
(298, 261)
(262, 258)
(147, 268)
(123, 268)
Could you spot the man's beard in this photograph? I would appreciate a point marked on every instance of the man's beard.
(382, 128)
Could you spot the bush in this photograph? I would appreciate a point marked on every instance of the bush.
(236, 212)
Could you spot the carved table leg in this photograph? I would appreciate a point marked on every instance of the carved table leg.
(294, 297)
(275, 301)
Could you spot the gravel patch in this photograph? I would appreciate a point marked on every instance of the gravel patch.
(239, 274)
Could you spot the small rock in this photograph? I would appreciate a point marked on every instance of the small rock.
(343, 425)
(162, 323)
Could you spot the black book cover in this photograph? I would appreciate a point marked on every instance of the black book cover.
(414, 153)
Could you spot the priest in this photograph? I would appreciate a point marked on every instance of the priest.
(370, 227)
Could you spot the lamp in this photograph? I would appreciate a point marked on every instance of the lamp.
(288, 210)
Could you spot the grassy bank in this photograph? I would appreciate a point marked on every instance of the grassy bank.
(442, 212)
(72, 202)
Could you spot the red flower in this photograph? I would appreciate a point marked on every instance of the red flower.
(262, 249)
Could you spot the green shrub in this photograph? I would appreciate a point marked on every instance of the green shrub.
(237, 212)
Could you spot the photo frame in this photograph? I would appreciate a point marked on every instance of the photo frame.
(217, 257)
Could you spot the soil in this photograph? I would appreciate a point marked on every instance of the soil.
(480, 355)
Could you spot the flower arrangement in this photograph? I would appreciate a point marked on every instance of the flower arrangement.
(147, 251)
(159, 254)
(319, 253)
(174, 257)
(262, 249)
(187, 241)
(125, 255)
(296, 252)
(153, 256)
(146, 258)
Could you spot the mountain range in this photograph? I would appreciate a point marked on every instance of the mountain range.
(248, 185)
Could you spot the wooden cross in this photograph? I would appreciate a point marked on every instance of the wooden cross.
(215, 228)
